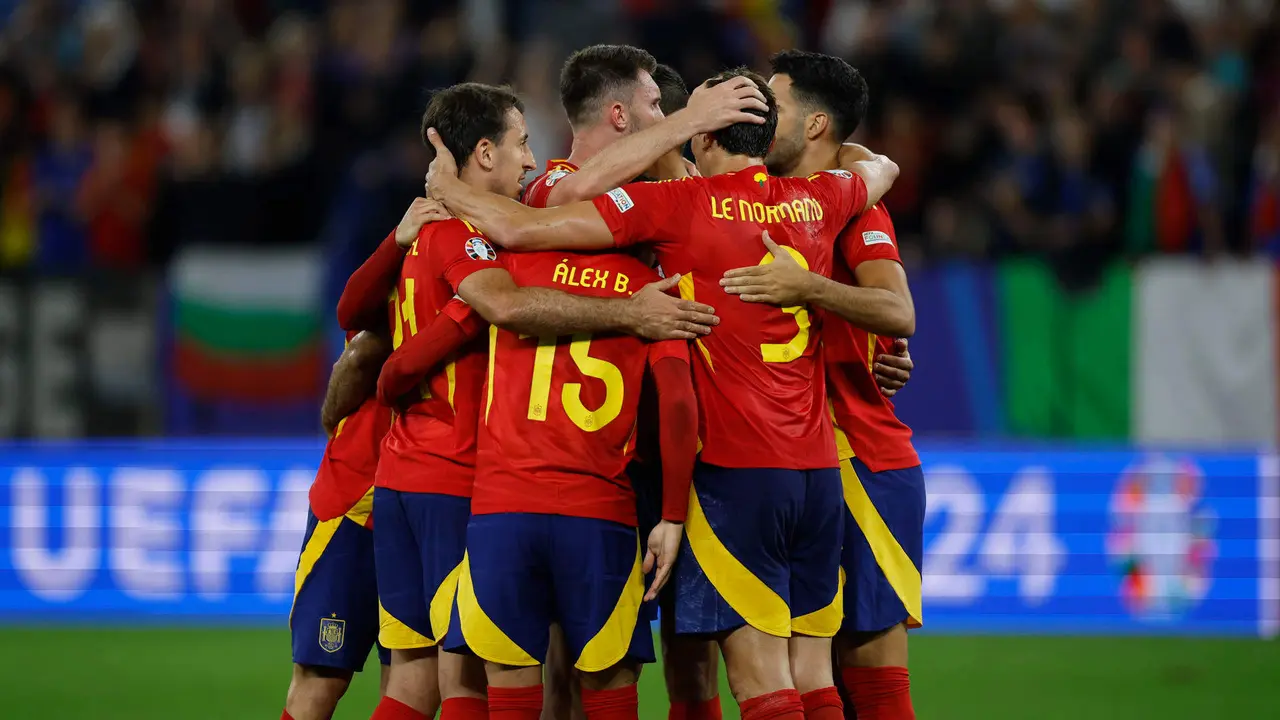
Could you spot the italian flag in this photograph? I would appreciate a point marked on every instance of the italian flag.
(247, 324)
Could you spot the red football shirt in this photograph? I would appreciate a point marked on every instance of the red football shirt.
(350, 460)
(761, 395)
(873, 430)
(559, 418)
(538, 191)
(431, 447)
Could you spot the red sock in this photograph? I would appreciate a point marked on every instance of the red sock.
(618, 704)
(696, 710)
(521, 703)
(823, 704)
(284, 715)
(464, 708)
(879, 693)
(391, 709)
(779, 705)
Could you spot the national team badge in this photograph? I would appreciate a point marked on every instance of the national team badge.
(333, 632)
(478, 249)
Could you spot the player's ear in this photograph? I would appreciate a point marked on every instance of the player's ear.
(817, 124)
(618, 117)
(484, 154)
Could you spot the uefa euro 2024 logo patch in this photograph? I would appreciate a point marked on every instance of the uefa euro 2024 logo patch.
(553, 177)
(1161, 538)
(333, 632)
(478, 249)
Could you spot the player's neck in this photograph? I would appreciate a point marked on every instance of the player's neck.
(721, 163)
(588, 143)
(474, 177)
(816, 157)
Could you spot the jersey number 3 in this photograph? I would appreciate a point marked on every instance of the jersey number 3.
(571, 392)
(795, 347)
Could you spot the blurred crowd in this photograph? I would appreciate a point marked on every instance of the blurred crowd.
(1080, 130)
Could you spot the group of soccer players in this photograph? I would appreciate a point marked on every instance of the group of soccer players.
(550, 446)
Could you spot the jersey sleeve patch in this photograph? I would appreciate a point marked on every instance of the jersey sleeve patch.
(478, 249)
(840, 173)
(621, 199)
(876, 237)
(554, 177)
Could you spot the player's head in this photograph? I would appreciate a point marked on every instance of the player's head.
(673, 93)
(483, 126)
(820, 97)
(611, 85)
(746, 139)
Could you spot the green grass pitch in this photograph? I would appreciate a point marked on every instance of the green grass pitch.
(74, 673)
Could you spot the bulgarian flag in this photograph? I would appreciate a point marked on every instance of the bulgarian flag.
(247, 324)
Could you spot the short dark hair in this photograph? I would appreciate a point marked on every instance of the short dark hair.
(675, 95)
(826, 82)
(599, 71)
(747, 138)
(467, 113)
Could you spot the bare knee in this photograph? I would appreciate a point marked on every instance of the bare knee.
(886, 648)
(461, 676)
(756, 663)
(810, 660)
(691, 667)
(414, 679)
(314, 691)
(619, 676)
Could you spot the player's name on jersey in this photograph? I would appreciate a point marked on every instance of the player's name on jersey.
(590, 277)
(737, 209)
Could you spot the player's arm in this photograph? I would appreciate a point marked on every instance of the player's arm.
(880, 304)
(419, 355)
(877, 171)
(649, 312)
(363, 301)
(354, 376)
(709, 109)
(678, 447)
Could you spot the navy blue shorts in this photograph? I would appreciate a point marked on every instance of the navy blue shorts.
(334, 621)
(761, 548)
(420, 544)
(883, 547)
(525, 571)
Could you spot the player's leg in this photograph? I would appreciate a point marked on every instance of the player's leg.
(883, 546)
(334, 616)
(562, 697)
(384, 663)
(599, 588)
(816, 599)
(732, 580)
(690, 667)
(413, 691)
(503, 610)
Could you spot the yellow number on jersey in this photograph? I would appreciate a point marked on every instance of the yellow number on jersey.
(571, 393)
(794, 348)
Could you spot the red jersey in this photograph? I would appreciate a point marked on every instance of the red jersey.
(538, 191)
(559, 420)
(761, 394)
(872, 429)
(431, 447)
(350, 460)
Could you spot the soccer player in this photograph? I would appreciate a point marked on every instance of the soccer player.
(821, 100)
(760, 567)
(334, 619)
(425, 476)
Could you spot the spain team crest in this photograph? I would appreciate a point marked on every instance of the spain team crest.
(332, 634)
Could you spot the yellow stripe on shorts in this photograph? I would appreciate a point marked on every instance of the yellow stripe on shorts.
(482, 635)
(902, 574)
(393, 634)
(442, 603)
(826, 621)
(614, 639)
(311, 552)
(747, 594)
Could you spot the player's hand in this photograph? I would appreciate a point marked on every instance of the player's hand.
(664, 545)
(783, 282)
(421, 212)
(851, 153)
(443, 169)
(659, 316)
(893, 371)
(718, 107)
